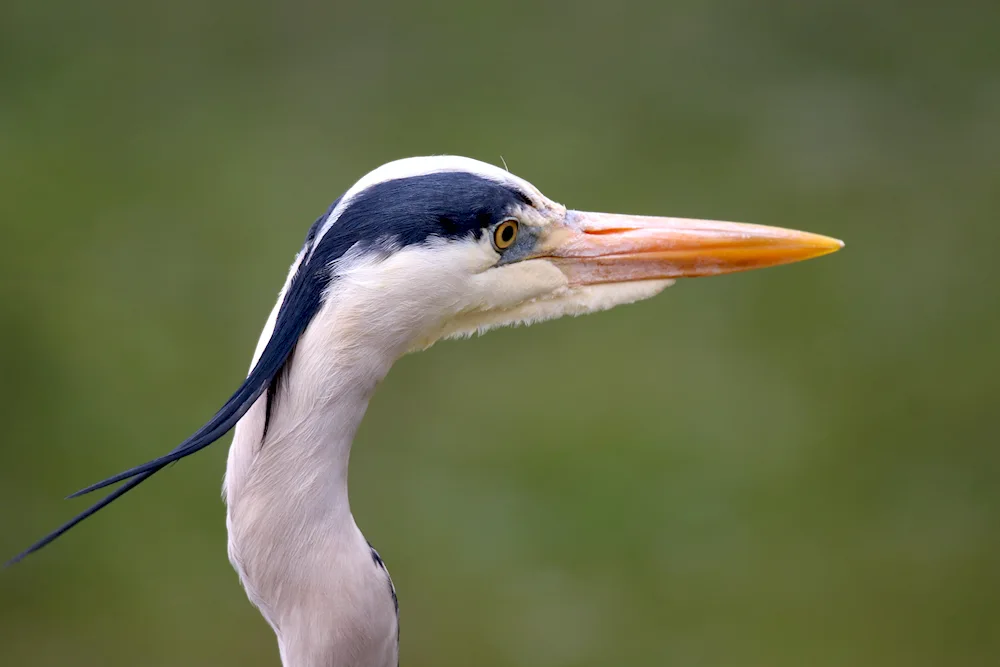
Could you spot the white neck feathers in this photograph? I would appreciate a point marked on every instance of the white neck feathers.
(292, 537)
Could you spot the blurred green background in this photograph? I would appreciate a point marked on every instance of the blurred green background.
(796, 466)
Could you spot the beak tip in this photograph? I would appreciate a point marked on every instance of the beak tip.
(827, 246)
(834, 244)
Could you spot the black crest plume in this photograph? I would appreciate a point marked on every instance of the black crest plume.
(396, 213)
(301, 301)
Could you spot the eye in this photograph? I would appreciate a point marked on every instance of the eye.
(505, 234)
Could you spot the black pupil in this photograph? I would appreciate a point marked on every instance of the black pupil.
(507, 233)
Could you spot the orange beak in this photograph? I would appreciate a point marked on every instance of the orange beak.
(595, 248)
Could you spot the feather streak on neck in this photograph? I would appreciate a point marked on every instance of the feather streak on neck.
(292, 537)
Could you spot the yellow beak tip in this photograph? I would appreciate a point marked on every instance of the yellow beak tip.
(832, 244)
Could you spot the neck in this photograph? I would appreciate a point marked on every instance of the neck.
(292, 537)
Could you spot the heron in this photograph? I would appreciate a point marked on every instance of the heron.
(419, 250)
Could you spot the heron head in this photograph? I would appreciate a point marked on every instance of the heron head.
(428, 248)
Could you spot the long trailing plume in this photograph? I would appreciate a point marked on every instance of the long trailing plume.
(300, 304)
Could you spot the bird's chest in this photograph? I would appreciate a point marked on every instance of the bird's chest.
(331, 605)
(352, 623)
(364, 630)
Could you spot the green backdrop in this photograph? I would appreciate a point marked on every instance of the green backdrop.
(793, 467)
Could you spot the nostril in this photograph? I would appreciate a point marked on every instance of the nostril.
(609, 230)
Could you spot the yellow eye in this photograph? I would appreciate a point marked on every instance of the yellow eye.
(505, 234)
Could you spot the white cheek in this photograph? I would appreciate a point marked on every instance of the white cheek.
(508, 286)
(595, 298)
(558, 302)
(411, 292)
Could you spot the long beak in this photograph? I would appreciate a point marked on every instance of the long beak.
(603, 247)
